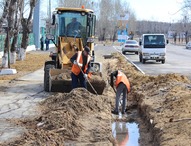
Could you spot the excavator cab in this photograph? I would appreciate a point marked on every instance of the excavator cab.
(73, 29)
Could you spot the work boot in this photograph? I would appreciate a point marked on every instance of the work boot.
(115, 112)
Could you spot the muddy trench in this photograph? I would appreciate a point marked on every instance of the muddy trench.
(83, 118)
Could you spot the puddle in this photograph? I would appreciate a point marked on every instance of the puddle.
(126, 134)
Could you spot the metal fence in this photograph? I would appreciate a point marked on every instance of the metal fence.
(3, 37)
(2, 42)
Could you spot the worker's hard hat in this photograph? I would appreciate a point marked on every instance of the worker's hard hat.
(87, 49)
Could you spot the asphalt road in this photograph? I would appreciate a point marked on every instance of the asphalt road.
(178, 60)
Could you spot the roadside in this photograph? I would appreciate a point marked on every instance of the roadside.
(178, 42)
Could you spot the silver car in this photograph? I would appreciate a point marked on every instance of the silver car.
(130, 46)
(188, 45)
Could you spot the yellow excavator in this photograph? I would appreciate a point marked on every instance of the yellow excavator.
(69, 39)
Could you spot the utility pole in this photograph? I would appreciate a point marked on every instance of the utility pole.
(36, 25)
(186, 31)
(48, 23)
(49, 10)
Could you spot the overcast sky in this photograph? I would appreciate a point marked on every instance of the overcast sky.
(157, 10)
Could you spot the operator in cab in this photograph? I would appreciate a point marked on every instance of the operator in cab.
(73, 27)
(80, 68)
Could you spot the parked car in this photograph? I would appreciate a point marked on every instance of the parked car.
(130, 46)
(188, 45)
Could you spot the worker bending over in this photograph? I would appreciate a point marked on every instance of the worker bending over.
(122, 86)
(80, 68)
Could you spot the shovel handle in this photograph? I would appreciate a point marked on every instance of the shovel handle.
(88, 81)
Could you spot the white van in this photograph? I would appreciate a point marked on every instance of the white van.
(153, 47)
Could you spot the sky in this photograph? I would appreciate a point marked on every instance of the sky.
(157, 10)
(152, 10)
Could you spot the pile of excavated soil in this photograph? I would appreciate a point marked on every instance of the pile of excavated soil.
(165, 103)
(78, 116)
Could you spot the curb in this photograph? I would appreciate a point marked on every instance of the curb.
(129, 61)
(8, 71)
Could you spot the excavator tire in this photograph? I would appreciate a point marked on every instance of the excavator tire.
(47, 79)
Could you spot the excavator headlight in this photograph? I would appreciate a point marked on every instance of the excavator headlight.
(90, 40)
(96, 67)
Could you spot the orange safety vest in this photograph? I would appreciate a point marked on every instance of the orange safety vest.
(75, 68)
(121, 77)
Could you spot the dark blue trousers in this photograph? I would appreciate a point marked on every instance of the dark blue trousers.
(76, 79)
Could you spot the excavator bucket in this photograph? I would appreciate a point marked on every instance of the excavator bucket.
(60, 81)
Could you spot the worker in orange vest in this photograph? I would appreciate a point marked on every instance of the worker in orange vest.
(122, 86)
(80, 68)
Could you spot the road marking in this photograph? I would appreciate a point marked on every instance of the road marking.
(129, 60)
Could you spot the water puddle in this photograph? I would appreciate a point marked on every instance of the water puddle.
(125, 133)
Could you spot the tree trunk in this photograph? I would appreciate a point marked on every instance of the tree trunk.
(13, 57)
(26, 22)
(5, 60)
(25, 39)
(13, 49)
(18, 6)
(4, 17)
(21, 54)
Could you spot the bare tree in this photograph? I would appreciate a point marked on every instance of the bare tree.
(3, 20)
(103, 22)
(26, 25)
(5, 4)
(17, 22)
(74, 3)
(110, 11)
(12, 26)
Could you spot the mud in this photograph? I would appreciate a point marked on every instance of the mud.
(163, 103)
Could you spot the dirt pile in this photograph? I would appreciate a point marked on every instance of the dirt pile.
(78, 116)
(165, 102)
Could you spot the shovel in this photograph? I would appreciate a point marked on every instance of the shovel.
(88, 81)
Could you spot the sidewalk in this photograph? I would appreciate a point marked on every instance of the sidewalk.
(18, 100)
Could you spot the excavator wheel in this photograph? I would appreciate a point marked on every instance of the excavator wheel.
(47, 80)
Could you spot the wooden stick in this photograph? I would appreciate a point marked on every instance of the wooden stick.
(183, 119)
